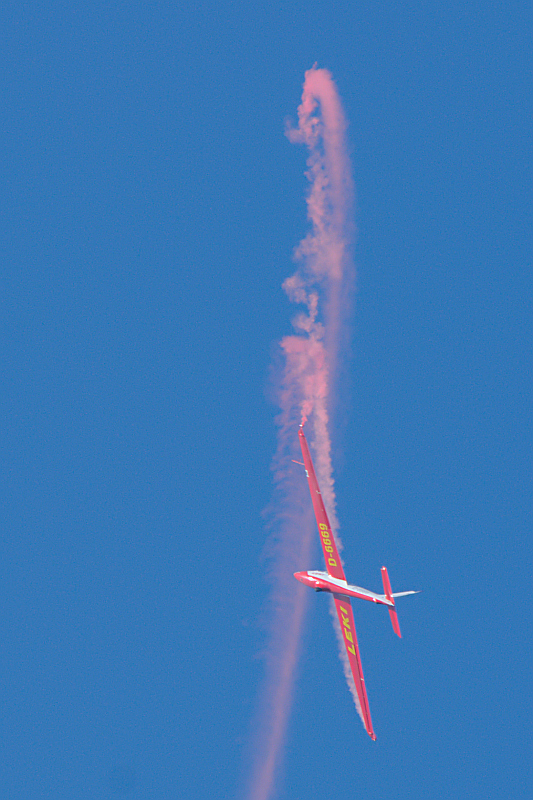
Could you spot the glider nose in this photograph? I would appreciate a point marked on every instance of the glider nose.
(303, 577)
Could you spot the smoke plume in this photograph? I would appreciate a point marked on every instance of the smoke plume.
(306, 386)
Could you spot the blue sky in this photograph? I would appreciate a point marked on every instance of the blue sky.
(151, 204)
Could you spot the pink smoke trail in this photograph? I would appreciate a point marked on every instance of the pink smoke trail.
(322, 284)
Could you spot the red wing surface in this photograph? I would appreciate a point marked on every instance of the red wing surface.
(345, 613)
(331, 555)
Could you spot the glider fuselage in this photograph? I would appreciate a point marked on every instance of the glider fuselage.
(321, 581)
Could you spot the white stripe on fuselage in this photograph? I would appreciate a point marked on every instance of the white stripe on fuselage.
(344, 585)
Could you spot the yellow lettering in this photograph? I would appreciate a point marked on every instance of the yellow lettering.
(351, 648)
(348, 636)
(332, 562)
(322, 526)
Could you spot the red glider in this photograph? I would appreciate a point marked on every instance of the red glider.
(334, 581)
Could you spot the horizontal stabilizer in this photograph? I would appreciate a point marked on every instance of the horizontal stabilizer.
(388, 594)
(404, 594)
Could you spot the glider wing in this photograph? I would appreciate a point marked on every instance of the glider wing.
(331, 554)
(345, 614)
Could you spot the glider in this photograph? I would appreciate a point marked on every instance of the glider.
(334, 581)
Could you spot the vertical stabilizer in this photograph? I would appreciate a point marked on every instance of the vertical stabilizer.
(388, 594)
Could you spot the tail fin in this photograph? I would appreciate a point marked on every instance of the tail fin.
(388, 594)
